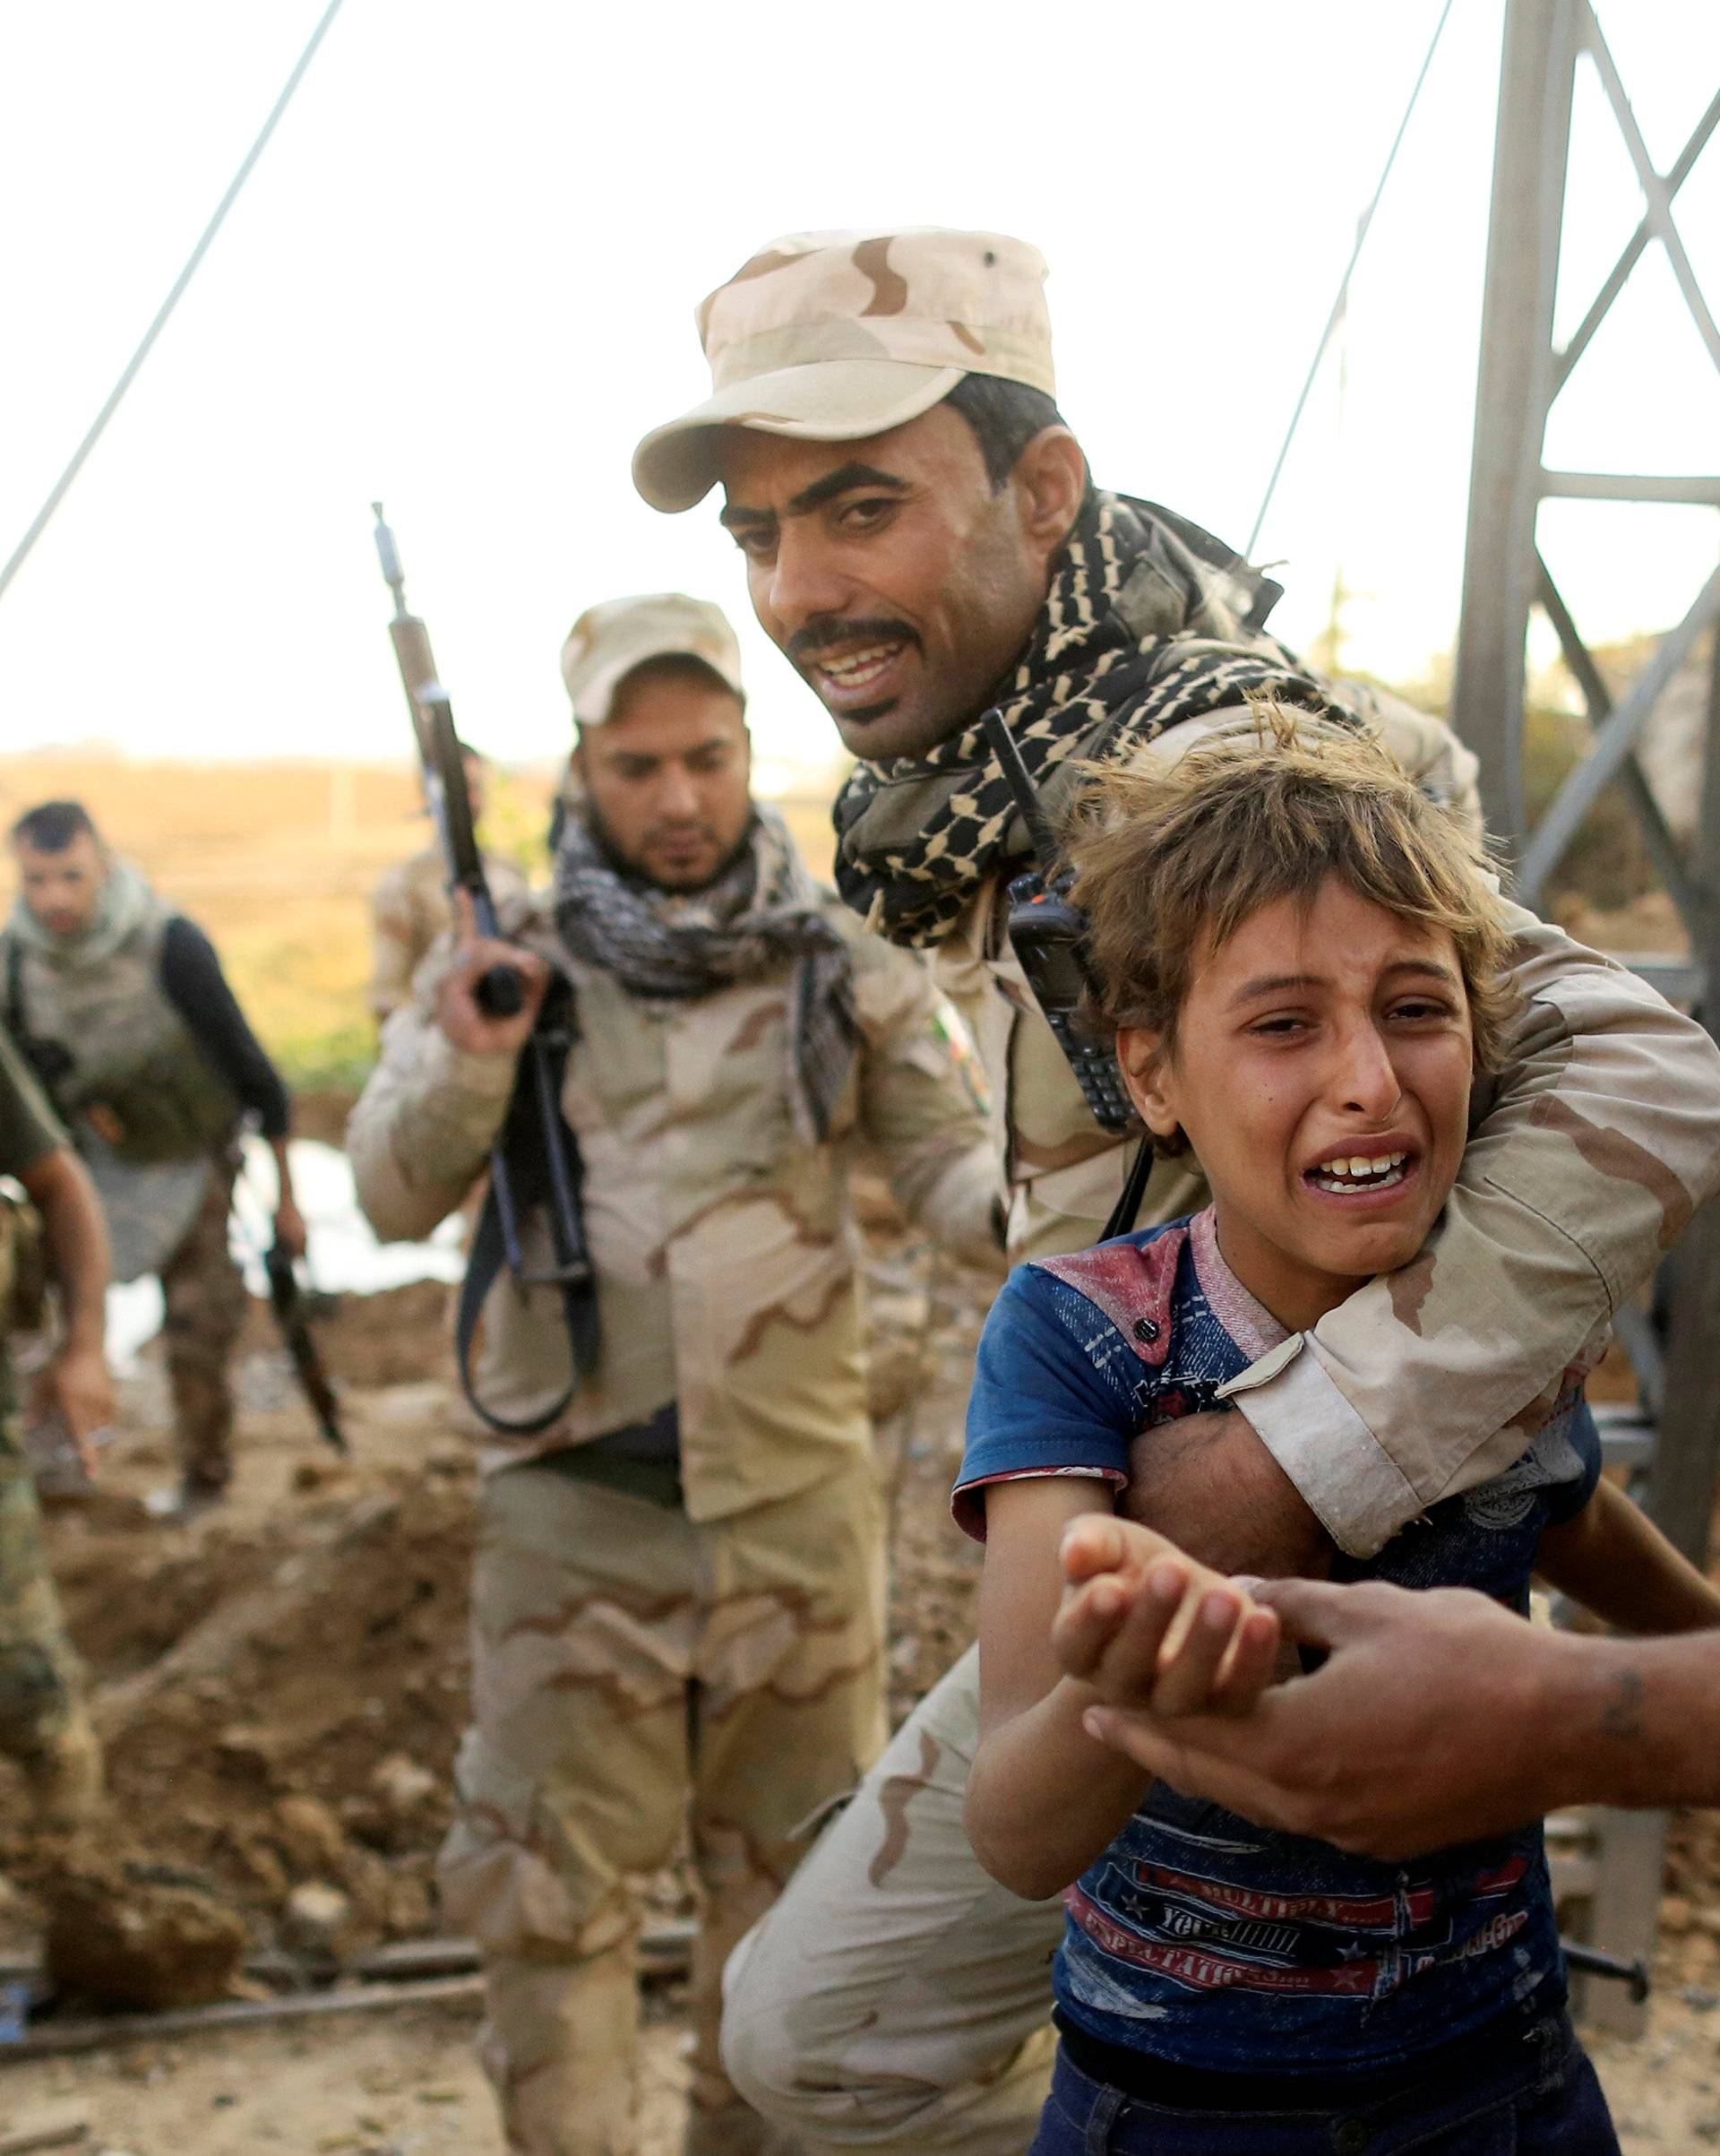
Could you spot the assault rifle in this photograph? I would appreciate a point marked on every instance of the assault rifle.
(535, 1166)
(292, 1306)
(289, 1306)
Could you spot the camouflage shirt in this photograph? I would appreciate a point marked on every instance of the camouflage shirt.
(725, 1244)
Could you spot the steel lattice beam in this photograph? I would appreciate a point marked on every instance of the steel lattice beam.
(1520, 374)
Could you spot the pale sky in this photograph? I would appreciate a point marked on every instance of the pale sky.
(463, 277)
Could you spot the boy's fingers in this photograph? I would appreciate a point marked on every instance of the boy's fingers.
(1151, 1627)
(1189, 1668)
(1104, 1542)
(1087, 1622)
(1091, 1544)
(465, 917)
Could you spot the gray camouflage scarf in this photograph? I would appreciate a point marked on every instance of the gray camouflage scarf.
(1149, 621)
(763, 910)
(124, 902)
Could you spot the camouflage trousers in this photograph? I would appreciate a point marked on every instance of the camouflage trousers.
(205, 1296)
(643, 1685)
(896, 1998)
(43, 1723)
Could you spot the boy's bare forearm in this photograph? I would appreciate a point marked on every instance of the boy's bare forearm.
(1614, 1561)
(1045, 1800)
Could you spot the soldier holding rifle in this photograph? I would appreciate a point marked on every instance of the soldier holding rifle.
(677, 1623)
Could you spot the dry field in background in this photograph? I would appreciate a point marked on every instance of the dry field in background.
(277, 859)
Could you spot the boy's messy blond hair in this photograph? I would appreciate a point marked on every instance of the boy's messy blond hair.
(1171, 862)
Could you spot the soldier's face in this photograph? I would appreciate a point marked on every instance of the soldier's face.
(62, 889)
(668, 781)
(1321, 1071)
(897, 582)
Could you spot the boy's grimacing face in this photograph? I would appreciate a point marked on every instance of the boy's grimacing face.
(1321, 1071)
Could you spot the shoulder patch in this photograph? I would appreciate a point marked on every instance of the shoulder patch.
(1133, 1283)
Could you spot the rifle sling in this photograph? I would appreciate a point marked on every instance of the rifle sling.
(522, 1147)
(1127, 1209)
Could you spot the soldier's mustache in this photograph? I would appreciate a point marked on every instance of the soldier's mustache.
(829, 632)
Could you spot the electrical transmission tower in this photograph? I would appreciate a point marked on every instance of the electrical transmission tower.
(1673, 1443)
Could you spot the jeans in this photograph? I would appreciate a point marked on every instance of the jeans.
(1548, 2103)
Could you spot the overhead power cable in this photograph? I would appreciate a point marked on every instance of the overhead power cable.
(1343, 298)
(39, 524)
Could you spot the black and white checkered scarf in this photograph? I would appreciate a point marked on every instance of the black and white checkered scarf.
(1149, 621)
(762, 911)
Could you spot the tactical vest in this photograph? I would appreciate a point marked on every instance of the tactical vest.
(116, 1056)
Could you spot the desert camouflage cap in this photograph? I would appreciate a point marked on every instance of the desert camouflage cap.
(608, 640)
(832, 336)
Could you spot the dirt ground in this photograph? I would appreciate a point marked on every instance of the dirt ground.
(282, 1685)
(406, 2085)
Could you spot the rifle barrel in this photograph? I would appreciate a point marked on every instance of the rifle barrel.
(393, 575)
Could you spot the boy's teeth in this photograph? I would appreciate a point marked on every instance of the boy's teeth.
(1357, 1166)
(1333, 1175)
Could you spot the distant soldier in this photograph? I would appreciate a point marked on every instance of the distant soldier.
(677, 1611)
(409, 909)
(44, 1723)
(120, 1006)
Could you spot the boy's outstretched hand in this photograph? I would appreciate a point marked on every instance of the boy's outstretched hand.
(1148, 1628)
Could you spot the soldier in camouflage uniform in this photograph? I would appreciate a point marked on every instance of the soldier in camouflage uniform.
(678, 1622)
(119, 1002)
(922, 539)
(44, 1721)
(408, 907)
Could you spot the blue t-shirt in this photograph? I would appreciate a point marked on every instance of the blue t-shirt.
(1199, 1938)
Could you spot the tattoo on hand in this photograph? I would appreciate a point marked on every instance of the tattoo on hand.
(1622, 1716)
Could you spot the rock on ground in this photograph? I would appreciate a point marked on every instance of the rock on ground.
(118, 1937)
